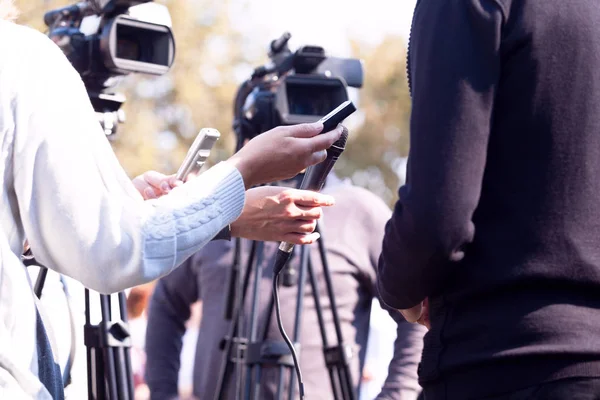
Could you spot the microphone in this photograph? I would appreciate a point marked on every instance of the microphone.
(314, 179)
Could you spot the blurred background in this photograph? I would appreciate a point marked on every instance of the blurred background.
(218, 44)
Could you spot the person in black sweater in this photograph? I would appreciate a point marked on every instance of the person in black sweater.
(495, 240)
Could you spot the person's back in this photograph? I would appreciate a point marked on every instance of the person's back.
(528, 293)
(519, 125)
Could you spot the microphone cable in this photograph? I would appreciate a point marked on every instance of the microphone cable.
(314, 179)
(282, 259)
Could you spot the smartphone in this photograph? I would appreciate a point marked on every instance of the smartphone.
(335, 117)
(198, 152)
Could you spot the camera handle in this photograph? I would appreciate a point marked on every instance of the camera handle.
(108, 110)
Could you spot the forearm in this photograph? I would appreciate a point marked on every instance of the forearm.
(137, 241)
(80, 212)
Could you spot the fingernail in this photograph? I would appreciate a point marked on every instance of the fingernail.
(165, 187)
(149, 193)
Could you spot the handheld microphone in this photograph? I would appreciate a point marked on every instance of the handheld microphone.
(314, 179)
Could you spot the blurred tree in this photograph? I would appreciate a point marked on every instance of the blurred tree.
(375, 155)
(165, 113)
(198, 91)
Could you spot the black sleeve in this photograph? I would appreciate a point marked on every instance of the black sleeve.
(454, 67)
(168, 312)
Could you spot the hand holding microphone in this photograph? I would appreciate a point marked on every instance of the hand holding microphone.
(315, 176)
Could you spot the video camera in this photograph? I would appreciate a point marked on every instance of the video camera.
(295, 87)
(107, 39)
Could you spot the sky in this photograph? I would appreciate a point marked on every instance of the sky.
(328, 23)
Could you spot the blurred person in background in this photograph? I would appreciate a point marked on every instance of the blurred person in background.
(380, 351)
(137, 306)
(352, 229)
(495, 240)
(64, 190)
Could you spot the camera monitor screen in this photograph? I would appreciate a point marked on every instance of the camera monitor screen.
(314, 98)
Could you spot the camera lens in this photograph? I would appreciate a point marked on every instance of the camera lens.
(128, 49)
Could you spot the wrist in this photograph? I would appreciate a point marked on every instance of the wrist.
(235, 229)
(243, 168)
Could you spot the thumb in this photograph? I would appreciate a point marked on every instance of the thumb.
(154, 178)
(305, 130)
(317, 157)
(174, 182)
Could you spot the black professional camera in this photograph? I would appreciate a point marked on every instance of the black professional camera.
(107, 39)
(295, 87)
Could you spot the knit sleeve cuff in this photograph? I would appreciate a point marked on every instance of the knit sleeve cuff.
(230, 193)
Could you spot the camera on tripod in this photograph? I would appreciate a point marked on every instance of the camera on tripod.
(107, 39)
(295, 87)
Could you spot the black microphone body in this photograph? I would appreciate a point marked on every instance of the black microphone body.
(314, 179)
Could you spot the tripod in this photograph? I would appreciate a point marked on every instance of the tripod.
(248, 354)
(108, 351)
(108, 345)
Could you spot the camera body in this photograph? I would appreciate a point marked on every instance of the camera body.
(107, 39)
(296, 87)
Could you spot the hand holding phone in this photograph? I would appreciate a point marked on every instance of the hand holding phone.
(337, 116)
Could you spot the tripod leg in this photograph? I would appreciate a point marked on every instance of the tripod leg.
(233, 281)
(324, 339)
(235, 327)
(304, 257)
(107, 356)
(39, 282)
(346, 382)
(251, 369)
(93, 381)
(127, 372)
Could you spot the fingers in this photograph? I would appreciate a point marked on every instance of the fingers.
(174, 182)
(162, 183)
(304, 130)
(307, 198)
(324, 141)
(412, 314)
(300, 239)
(317, 157)
(154, 178)
(424, 318)
(301, 226)
(309, 213)
(150, 193)
(190, 176)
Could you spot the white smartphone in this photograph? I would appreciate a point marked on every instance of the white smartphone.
(198, 153)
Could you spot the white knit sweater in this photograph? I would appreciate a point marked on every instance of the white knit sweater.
(64, 190)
